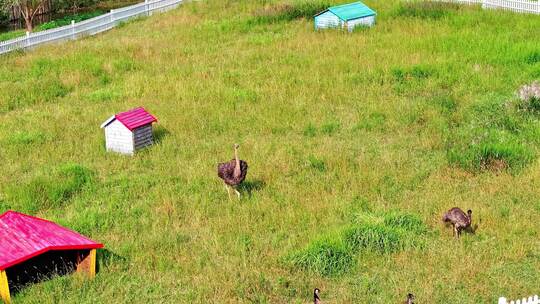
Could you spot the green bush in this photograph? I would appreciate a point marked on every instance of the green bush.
(67, 20)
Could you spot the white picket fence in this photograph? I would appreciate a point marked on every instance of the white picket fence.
(88, 27)
(530, 300)
(520, 6)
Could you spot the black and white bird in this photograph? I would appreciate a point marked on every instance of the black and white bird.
(410, 299)
(233, 172)
(316, 298)
(458, 219)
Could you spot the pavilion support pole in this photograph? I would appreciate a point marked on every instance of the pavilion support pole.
(87, 264)
(4, 288)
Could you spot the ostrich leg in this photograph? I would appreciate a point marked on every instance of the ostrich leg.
(237, 193)
(228, 191)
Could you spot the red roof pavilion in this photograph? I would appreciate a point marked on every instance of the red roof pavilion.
(23, 237)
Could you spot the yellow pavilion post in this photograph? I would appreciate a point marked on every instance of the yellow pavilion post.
(4, 288)
(87, 264)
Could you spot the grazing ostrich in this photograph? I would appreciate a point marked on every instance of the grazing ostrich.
(233, 172)
(316, 299)
(410, 298)
(459, 220)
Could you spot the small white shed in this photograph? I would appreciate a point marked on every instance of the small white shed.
(346, 16)
(129, 131)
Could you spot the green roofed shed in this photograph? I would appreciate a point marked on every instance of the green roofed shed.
(352, 11)
(346, 16)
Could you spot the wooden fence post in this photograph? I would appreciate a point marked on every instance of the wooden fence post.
(87, 264)
(112, 17)
(146, 8)
(502, 300)
(4, 288)
(27, 38)
(73, 29)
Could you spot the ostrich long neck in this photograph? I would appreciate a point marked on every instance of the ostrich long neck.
(237, 163)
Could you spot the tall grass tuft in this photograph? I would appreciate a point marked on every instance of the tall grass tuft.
(375, 232)
(426, 9)
(290, 11)
(327, 257)
(385, 232)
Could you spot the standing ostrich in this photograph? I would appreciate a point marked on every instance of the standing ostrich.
(458, 219)
(410, 298)
(316, 299)
(233, 172)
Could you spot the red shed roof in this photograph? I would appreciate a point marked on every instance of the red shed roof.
(132, 119)
(23, 237)
(135, 118)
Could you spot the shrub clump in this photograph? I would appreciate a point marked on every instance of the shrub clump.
(47, 191)
(288, 12)
(326, 257)
(529, 96)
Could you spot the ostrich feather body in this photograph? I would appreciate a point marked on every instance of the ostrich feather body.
(226, 172)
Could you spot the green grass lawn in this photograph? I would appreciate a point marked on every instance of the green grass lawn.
(356, 143)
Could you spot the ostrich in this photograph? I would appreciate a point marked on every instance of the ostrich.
(459, 220)
(316, 299)
(410, 298)
(233, 172)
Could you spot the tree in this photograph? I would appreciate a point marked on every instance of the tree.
(28, 8)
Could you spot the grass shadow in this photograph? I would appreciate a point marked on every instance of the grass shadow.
(249, 187)
(106, 258)
(160, 133)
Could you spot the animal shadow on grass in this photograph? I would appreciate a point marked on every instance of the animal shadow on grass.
(106, 258)
(251, 186)
(160, 133)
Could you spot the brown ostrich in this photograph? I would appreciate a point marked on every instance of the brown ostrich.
(410, 298)
(458, 219)
(316, 298)
(233, 172)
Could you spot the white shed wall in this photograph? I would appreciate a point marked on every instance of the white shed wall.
(327, 20)
(365, 21)
(118, 138)
(143, 137)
